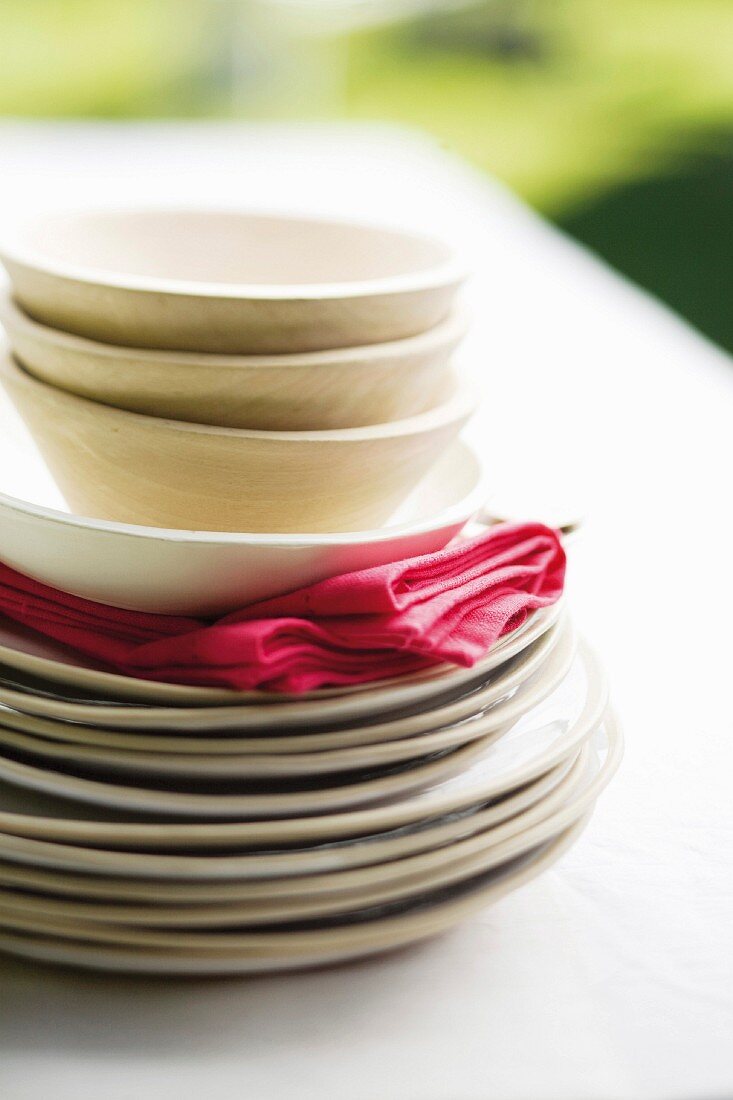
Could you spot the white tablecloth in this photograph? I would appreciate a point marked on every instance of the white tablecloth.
(611, 976)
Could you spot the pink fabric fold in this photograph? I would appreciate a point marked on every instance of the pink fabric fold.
(355, 628)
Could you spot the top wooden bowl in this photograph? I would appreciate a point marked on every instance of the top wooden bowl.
(228, 282)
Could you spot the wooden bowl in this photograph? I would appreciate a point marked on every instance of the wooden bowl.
(228, 282)
(125, 467)
(341, 388)
(199, 572)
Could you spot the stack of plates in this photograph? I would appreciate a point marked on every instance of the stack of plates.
(203, 370)
(233, 406)
(158, 828)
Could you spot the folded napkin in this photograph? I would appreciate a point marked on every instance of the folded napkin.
(374, 623)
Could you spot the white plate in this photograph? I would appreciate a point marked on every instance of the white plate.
(455, 724)
(318, 799)
(489, 690)
(472, 739)
(384, 697)
(449, 707)
(540, 741)
(416, 923)
(67, 673)
(374, 885)
(421, 876)
(355, 853)
(34, 665)
(258, 801)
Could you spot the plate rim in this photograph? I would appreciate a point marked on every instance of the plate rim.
(387, 694)
(433, 729)
(376, 819)
(379, 883)
(441, 918)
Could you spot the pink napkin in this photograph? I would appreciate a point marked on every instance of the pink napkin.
(363, 626)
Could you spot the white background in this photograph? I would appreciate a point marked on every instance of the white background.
(612, 975)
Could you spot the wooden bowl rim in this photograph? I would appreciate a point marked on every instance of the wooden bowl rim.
(460, 511)
(448, 332)
(450, 271)
(460, 405)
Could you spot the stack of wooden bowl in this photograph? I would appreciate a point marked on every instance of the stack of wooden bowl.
(233, 406)
(226, 372)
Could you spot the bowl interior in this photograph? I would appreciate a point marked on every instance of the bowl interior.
(225, 248)
(24, 477)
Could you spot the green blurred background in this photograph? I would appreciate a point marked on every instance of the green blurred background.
(612, 117)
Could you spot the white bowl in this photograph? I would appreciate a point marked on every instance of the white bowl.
(229, 282)
(201, 572)
(340, 388)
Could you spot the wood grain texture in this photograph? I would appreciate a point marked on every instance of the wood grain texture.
(136, 469)
(342, 388)
(230, 283)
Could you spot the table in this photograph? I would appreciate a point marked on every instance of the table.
(611, 976)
